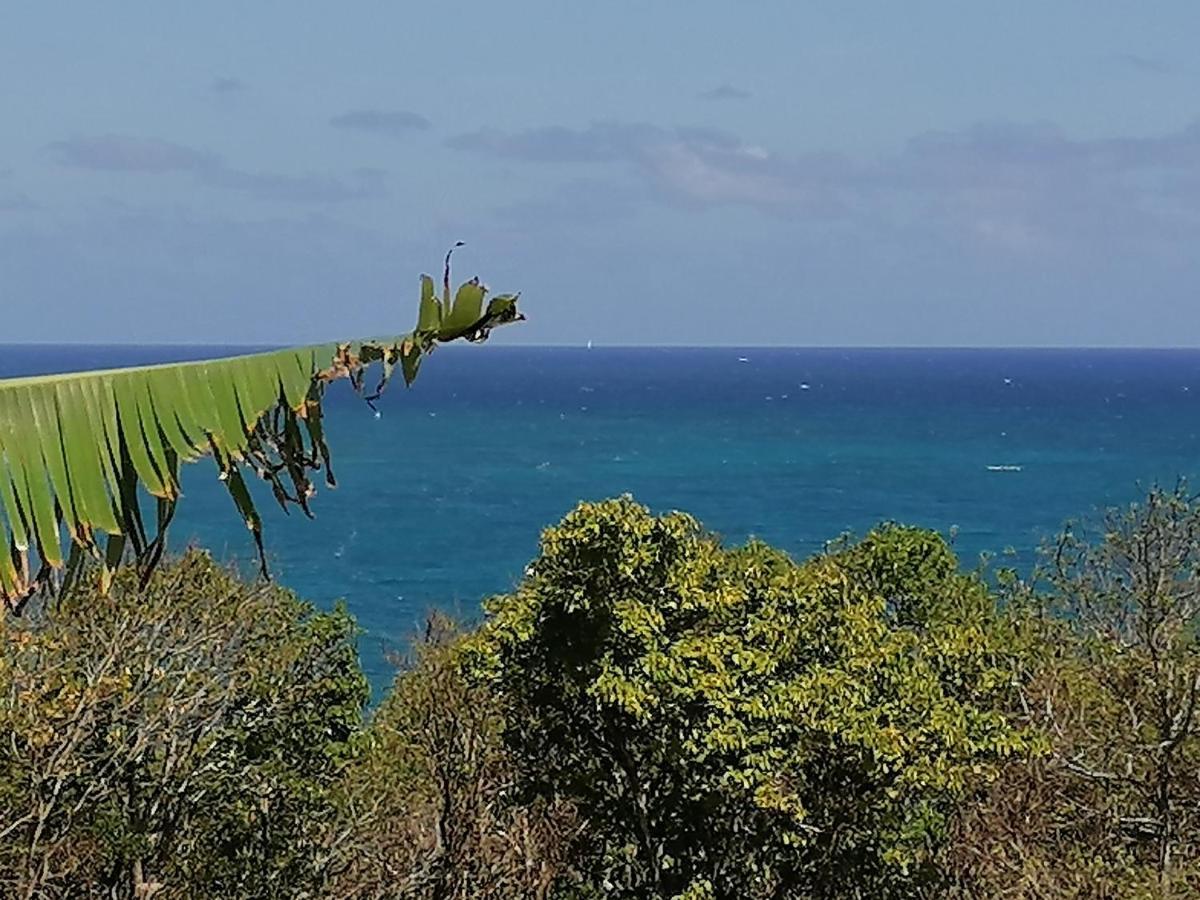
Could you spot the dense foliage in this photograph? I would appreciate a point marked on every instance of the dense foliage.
(647, 714)
(734, 724)
(432, 795)
(186, 736)
(1112, 678)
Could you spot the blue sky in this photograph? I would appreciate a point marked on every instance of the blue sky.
(645, 173)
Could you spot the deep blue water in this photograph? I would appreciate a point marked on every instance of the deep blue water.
(441, 498)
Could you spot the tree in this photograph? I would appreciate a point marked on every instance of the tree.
(181, 739)
(74, 449)
(730, 723)
(428, 803)
(1113, 679)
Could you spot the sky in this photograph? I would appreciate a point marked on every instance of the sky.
(762, 172)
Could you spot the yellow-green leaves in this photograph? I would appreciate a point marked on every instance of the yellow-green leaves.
(197, 706)
(462, 316)
(823, 716)
(467, 308)
(78, 450)
(429, 319)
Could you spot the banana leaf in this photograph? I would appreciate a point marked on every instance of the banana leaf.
(90, 461)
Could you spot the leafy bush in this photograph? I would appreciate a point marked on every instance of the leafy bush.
(182, 740)
(730, 723)
(648, 714)
(1113, 679)
(429, 803)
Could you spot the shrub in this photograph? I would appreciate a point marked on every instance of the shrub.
(648, 714)
(1110, 621)
(429, 803)
(182, 740)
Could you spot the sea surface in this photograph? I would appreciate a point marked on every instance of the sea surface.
(442, 496)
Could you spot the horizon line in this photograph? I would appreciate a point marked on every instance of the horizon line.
(256, 345)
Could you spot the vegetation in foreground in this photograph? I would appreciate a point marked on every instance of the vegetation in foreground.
(648, 714)
(78, 450)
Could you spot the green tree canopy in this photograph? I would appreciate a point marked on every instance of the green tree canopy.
(734, 724)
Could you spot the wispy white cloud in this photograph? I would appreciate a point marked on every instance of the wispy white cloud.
(310, 188)
(599, 142)
(1151, 65)
(12, 199)
(116, 152)
(154, 156)
(725, 91)
(689, 165)
(1028, 188)
(593, 203)
(390, 123)
(15, 201)
(225, 86)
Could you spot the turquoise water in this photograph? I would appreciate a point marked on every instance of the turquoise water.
(441, 498)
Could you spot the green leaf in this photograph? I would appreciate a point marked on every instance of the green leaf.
(82, 448)
(93, 503)
(29, 470)
(466, 311)
(429, 317)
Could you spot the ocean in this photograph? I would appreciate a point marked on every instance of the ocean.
(441, 498)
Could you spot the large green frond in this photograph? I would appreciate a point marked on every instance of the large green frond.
(79, 452)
